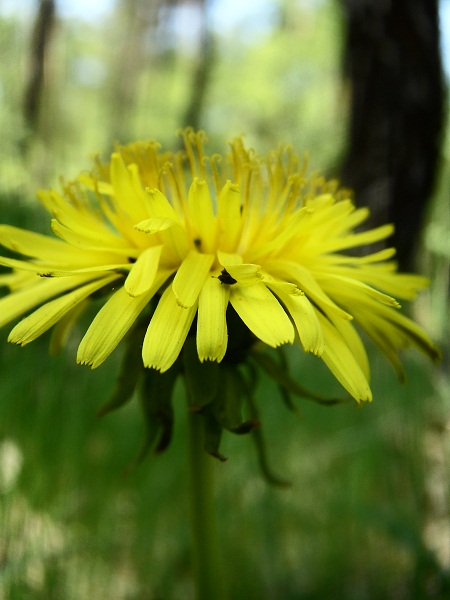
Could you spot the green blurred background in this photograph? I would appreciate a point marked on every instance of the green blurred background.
(367, 515)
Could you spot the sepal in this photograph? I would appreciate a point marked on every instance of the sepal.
(156, 399)
(202, 378)
(287, 385)
(261, 450)
(131, 371)
(213, 435)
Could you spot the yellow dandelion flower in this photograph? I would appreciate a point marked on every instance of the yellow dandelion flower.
(202, 237)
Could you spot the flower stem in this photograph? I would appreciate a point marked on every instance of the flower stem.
(205, 547)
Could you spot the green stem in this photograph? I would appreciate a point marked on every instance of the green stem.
(205, 547)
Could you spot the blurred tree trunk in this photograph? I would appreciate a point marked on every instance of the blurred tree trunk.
(39, 48)
(201, 75)
(138, 19)
(394, 69)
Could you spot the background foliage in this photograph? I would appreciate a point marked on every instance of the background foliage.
(367, 515)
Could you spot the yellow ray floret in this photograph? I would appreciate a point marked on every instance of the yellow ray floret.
(208, 247)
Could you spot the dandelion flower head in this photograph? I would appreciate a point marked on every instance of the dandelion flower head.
(197, 242)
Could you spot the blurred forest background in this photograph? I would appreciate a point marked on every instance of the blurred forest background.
(360, 85)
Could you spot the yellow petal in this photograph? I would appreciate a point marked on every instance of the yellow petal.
(47, 315)
(389, 345)
(245, 274)
(352, 289)
(341, 362)
(128, 194)
(229, 216)
(38, 291)
(170, 232)
(201, 214)
(375, 257)
(212, 336)
(109, 326)
(112, 322)
(281, 237)
(394, 328)
(55, 270)
(190, 277)
(143, 272)
(353, 341)
(357, 239)
(32, 244)
(92, 240)
(227, 259)
(49, 271)
(21, 265)
(167, 332)
(331, 221)
(17, 279)
(46, 248)
(305, 318)
(296, 273)
(262, 313)
(92, 183)
(64, 326)
(155, 224)
(76, 216)
(158, 206)
(280, 286)
(401, 285)
(358, 216)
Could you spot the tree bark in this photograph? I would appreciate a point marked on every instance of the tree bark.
(395, 75)
(42, 32)
(201, 75)
(138, 22)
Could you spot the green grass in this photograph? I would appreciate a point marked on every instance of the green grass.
(351, 525)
